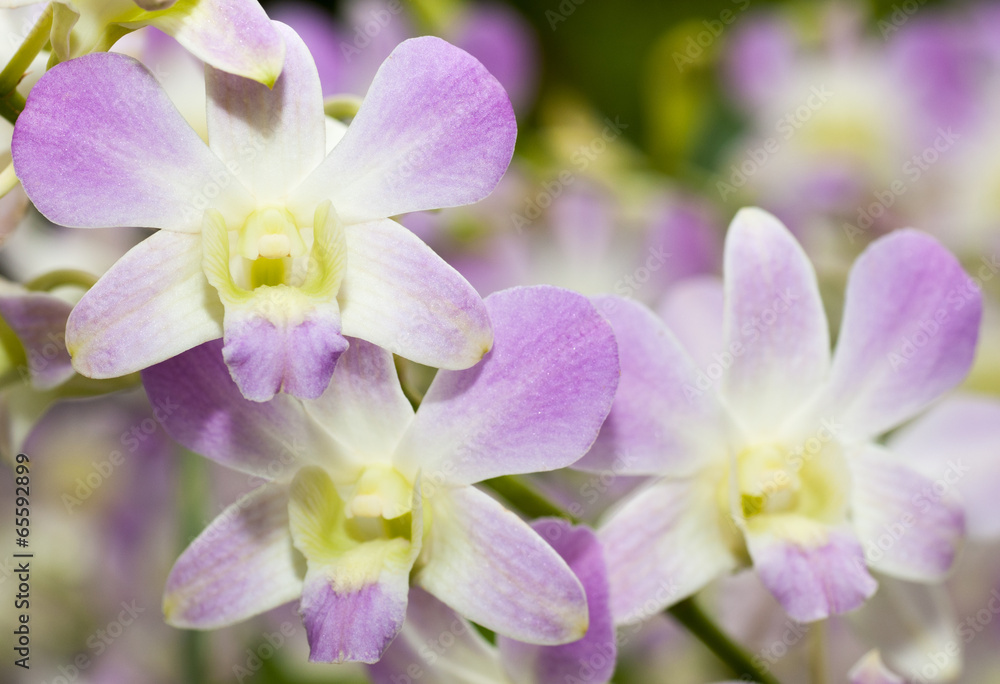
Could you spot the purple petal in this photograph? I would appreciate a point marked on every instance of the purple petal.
(665, 417)
(435, 130)
(871, 670)
(910, 326)
(124, 154)
(907, 529)
(592, 658)
(534, 403)
(231, 35)
(242, 565)
(202, 408)
(364, 408)
(928, 444)
(39, 321)
(813, 579)
(269, 356)
(457, 652)
(505, 44)
(397, 293)
(153, 304)
(663, 544)
(488, 565)
(272, 138)
(353, 625)
(774, 326)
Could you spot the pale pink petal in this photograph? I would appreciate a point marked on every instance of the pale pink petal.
(774, 326)
(435, 130)
(242, 565)
(153, 304)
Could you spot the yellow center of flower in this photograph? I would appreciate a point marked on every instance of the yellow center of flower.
(270, 250)
(786, 489)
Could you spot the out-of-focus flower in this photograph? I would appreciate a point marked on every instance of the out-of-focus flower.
(370, 493)
(767, 455)
(462, 655)
(231, 35)
(263, 239)
(349, 53)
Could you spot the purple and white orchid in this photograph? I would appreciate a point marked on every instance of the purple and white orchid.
(265, 239)
(235, 36)
(371, 494)
(437, 643)
(767, 453)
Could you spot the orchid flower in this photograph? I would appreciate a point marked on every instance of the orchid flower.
(442, 646)
(764, 452)
(234, 36)
(369, 493)
(264, 240)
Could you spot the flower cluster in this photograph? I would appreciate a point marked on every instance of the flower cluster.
(416, 402)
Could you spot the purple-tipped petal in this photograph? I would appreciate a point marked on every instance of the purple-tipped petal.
(665, 417)
(435, 130)
(663, 544)
(123, 153)
(815, 578)
(271, 138)
(153, 304)
(907, 529)
(268, 356)
(930, 444)
(355, 593)
(364, 408)
(534, 403)
(39, 321)
(871, 670)
(202, 408)
(356, 624)
(458, 652)
(397, 293)
(487, 564)
(911, 321)
(242, 565)
(592, 658)
(505, 44)
(775, 326)
(232, 35)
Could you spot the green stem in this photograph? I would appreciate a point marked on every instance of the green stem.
(59, 278)
(25, 55)
(694, 620)
(193, 494)
(530, 502)
(526, 498)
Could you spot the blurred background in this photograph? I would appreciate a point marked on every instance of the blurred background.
(643, 127)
